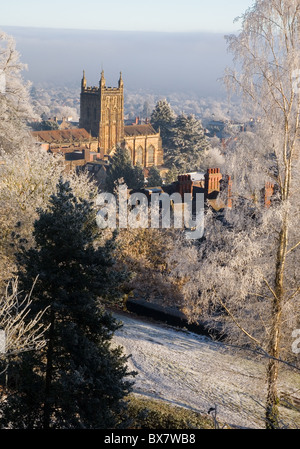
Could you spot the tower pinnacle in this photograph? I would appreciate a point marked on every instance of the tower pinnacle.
(121, 84)
(83, 81)
(102, 79)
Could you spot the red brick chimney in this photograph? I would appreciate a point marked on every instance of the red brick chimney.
(212, 180)
(269, 191)
(185, 184)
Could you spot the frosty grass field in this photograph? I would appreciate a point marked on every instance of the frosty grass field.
(192, 371)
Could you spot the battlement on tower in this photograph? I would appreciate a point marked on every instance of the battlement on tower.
(102, 115)
(91, 89)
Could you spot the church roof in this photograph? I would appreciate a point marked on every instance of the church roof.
(62, 135)
(139, 130)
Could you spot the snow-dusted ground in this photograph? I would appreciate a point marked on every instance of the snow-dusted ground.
(192, 371)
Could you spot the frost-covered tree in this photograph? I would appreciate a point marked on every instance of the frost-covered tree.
(20, 334)
(145, 253)
(28, 176)
(188, 144)
(146, 112)
(171, 175)
(15, 106)
(213, 157)
(183, 137)
(44, 125)
(246, 270)
(78, 380)
(163, 119)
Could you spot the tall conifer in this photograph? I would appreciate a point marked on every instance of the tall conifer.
(79, 380)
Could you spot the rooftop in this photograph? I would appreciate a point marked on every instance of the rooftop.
(62, 135)
(196, 176)
(139, 130)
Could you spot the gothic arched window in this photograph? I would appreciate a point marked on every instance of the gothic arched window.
(150, 153)
(139, 156)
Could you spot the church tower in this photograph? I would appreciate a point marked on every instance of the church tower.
(111, 125)
(89, 108)
(102, 113)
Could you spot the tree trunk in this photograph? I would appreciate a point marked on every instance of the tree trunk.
(272, 412)
(49, 371)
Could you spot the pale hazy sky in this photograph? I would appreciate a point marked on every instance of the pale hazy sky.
(126, 15)
(161, 45)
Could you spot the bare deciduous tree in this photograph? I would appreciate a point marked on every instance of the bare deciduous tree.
(20, 334)
(269, 50)
(246, 271)
(28, 177)
(15, 106)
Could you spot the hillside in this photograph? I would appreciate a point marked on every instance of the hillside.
(192, 371)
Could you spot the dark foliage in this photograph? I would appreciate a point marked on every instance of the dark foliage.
(79, 379)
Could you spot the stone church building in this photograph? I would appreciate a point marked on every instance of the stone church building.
(101, 129)
(102, 115)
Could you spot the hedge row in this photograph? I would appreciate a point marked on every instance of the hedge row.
(147, 413)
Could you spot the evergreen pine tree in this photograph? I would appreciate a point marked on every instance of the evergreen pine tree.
(138, 180)
(78, 381)
(146, 112)
(121, 167)
(187, 144)
(154, 178)
(172, 175)
(163, 119)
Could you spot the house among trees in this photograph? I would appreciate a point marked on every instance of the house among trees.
(211, 184)
(216, 188)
